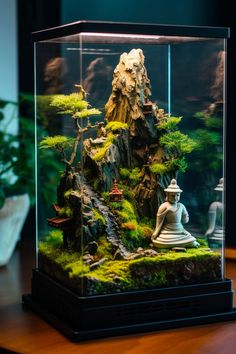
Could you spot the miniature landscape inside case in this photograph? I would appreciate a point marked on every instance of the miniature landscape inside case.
(117, 125)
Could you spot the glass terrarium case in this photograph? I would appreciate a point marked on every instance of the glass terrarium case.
(130, 178)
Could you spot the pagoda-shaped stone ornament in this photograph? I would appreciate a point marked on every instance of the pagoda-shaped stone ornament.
(116, 194)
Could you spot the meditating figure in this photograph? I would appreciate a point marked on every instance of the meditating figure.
(169, 231)
(215, 232)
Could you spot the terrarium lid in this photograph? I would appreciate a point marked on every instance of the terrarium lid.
(63, 32)
(220, 185)
(173, 187)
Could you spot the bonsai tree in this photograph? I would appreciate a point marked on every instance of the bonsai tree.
(76, 106)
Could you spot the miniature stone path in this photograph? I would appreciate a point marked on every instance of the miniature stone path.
(111, 225)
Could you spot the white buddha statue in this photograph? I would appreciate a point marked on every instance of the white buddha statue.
(169, 231)
(215, 232)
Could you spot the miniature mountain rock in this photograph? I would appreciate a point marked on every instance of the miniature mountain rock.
(133, 142)
(130, 90)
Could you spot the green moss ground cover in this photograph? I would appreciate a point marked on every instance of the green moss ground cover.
(164, 270)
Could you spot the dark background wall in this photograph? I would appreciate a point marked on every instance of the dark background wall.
(41, 14)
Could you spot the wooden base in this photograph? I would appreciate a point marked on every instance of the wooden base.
(230, 253)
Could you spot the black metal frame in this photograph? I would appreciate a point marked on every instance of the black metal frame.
(130, 28)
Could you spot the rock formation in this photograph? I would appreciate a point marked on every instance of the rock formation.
(130, 90)
(136, 145)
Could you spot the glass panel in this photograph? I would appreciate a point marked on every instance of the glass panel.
(114, 170)
(198, 73)
(57, 74)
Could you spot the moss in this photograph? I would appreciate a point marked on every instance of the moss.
(149, 222)
(68, 193)
(100, 153)
(166, 269)
(108, 270)
(124, 173)
(134, 175)
(77, 268)
(55, 258)
(115, 205)
(116, 125)
(55, 238)
(104, 248)
(66, 211)
(128, 207)
(146, 232)
(135, 235)
(127, 212)
(203, 242)
(170, 123)
(149, 272)
(158, 168)
(128, 192)
(124, 216)
(105, 196)
(98, 216)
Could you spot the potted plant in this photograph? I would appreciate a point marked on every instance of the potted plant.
(16, 176)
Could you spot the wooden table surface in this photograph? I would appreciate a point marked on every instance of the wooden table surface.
(24, 332)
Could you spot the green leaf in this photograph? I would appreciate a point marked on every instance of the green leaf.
(55, 142)
(86, 113)
(169, 124)
(69, 104)
(178, 164)
(158, 168)
(178, 141)
(116, 125)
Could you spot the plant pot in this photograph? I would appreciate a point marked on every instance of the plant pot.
(12, 218)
